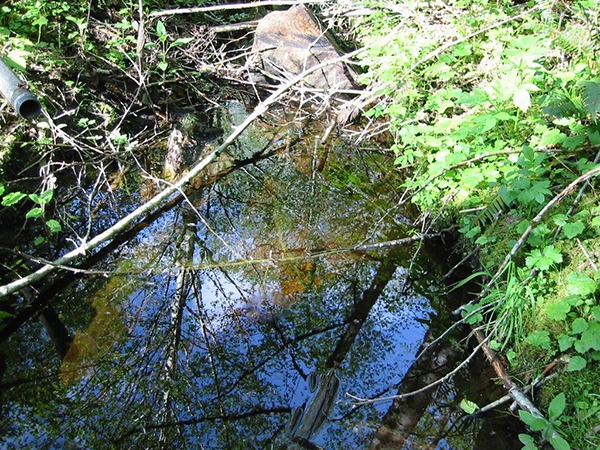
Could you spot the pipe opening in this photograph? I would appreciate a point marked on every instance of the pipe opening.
(30, 109)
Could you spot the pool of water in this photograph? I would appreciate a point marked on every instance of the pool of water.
(249, 315)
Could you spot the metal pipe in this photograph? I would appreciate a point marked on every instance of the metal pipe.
(16, 92)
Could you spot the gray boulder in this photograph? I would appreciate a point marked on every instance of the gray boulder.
(286, 43)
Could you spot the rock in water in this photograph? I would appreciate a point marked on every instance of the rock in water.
(286, 43)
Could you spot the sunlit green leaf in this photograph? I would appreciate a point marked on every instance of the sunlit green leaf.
(565, 342)
(528, 442)
(558, 310)
(557, 406)
(181, 41)
(559, 443)
(468, 406)
(580, 284)
(590, 339)
(539, 338)
(543, 260)
(13, 198)
(573, 229)
(34, 213)
(53, 225)
(579, 325)
(533, 422)
(576, 363)
(161, 30)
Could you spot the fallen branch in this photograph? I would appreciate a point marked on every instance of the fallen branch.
(513, 390)
(507, 397)
(537, 219)
(162, 196)
(201, 9)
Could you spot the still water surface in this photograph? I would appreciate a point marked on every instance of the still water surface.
(246, 316)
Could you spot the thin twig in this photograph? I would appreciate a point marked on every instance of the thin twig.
(559, 197)
(448, 376)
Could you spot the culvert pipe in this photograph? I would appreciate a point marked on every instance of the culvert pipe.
(24, 102)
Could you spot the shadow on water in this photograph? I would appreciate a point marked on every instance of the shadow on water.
(245, 315)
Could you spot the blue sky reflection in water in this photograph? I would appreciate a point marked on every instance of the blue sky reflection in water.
(214, 318)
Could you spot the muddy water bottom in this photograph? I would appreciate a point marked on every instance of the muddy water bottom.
(247, 316)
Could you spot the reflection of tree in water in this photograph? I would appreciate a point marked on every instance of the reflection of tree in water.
(189, 349)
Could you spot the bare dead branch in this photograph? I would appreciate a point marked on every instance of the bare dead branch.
(235, 6)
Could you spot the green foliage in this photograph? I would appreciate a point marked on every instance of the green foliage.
(494, 116)
(166, 46)
(547, 427)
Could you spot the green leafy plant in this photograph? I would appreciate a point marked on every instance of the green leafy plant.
(165, 45)
(546, 427)
(489, 129)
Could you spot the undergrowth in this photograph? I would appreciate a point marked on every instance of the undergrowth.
(494, 110)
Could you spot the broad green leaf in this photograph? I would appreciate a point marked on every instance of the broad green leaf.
(565, 342)
(35, 198)
(533, 422)
(557, 406)
(40, 21)
(574, 142)
(528, 442)
(53, 225)
(558, 310)
(539, 338)
(471, 317)
(462, 49)
(46, 196)
(576, 363)
(181, 41)
(34, 213)
(558, 443)
(544, 260)
(580, 284)
(468, 406)
(161, 30)
(552, 138)
(591, 98)
(163, 66)
(13, 198)
(579, 325)
(573, 229)
(503, 115)
(596, 313)
(590, 338)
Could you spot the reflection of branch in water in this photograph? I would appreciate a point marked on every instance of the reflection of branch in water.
(203, 419)
(277, 351)
(306, 420)
(360, 313)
